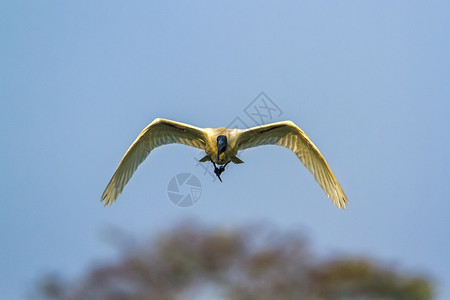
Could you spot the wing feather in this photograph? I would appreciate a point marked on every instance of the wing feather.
(159, 132)
(290, 136)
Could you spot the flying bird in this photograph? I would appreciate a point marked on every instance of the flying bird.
(221, 146)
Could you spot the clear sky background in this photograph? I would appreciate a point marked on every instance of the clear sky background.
(368, 81)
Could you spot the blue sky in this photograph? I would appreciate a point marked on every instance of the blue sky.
(368, 81)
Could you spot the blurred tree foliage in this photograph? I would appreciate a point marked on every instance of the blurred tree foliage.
(197, 262)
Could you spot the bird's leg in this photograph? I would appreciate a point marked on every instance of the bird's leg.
(222, 168)
(219, 170)
(214, 164)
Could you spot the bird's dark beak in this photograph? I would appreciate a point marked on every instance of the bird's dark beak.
(221, 145)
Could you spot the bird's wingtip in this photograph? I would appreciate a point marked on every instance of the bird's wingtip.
(342, 203)
(106, 200)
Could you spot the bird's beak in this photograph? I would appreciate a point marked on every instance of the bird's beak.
(221, 147)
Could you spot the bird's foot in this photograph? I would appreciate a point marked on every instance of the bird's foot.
(219, 170)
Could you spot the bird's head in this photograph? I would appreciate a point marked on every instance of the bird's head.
(221, 146)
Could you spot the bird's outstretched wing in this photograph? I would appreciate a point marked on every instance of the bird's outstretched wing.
(289, 135)
(157, 133)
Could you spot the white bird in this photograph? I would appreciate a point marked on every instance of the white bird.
(221, 146)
